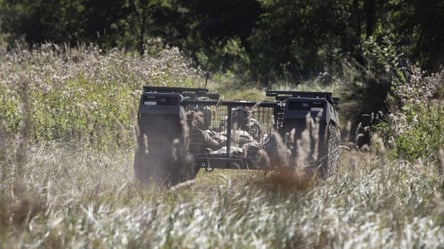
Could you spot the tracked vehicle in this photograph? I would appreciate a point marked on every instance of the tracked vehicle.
(183, 130)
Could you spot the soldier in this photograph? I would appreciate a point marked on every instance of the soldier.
(242, 118)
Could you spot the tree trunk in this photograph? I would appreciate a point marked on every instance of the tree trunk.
(370, 16)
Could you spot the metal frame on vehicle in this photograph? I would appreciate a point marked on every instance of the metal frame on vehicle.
(287, 112)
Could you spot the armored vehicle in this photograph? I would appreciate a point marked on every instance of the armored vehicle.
(183, 130)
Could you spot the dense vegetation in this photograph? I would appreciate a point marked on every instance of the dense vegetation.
(369, 43)
(81, 94)
(67, 176)
(68, 108)
(260, 38)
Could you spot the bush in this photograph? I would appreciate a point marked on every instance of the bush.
(415, 130)
(82, 94)
(369, 84)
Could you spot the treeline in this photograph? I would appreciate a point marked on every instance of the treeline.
(260, 38)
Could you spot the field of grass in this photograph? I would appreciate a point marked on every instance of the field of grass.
(67, 181)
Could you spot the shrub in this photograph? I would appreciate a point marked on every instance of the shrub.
(368, 83)
(82, 94)
(415, 130)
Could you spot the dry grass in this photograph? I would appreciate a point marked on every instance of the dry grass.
(86, 198)
(83, 94)
(289, 179)
(56, 194)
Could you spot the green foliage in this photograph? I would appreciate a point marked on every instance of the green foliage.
(59, 194)
(38, 21)
(283, 39)
(224, 55)
(291, 37)
(81, 95)
(414, 131)
(419, 25)
(369, 86)
(421, 139)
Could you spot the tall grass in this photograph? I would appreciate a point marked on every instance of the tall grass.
(87, 199)
(83, 94)
(56, 193)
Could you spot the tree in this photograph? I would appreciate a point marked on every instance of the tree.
(105, 22)
(39, 21)
(292, 38)
(216, 34)
(424, 22)
(296, 38)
